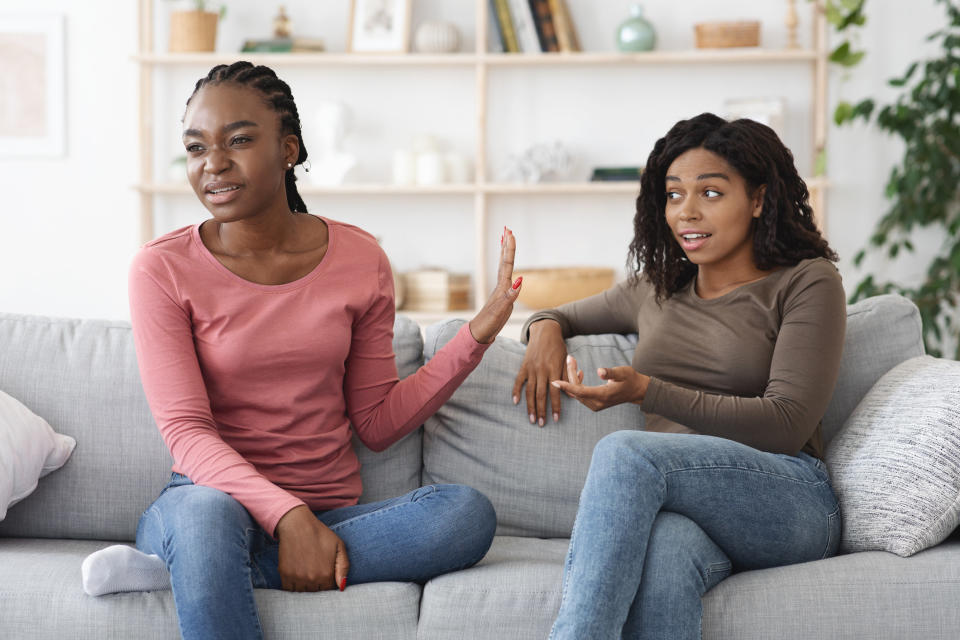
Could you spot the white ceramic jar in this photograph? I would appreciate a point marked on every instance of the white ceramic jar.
(436, 36)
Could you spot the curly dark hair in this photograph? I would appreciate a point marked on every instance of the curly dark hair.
(277, 95)
(783, 235)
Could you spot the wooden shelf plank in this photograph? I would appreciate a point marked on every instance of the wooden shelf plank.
(309, 59)
(696, 56)
(746, 55)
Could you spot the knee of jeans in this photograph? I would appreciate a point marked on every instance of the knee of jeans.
(198, 511)
(616, 446)
(474, 511)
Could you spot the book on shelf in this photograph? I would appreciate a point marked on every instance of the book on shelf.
(283, 45)
(563, 26)
(546, 31)
(524, 25)
(503, 23)
(495, 32)
(615, 174)
(435, 290)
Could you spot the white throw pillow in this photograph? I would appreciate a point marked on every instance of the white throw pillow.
(29, 450)
(895, 464)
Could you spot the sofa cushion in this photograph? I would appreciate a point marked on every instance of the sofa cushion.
(873, 595)
(396, 471)
(81, 376)
(514, 592)
(41, 597)
(532, 475)
(882, 332)
(29, 450)
(895, 465)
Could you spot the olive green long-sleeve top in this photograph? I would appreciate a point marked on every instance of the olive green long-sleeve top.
(756, 365)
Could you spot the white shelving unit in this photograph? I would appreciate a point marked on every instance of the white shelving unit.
(480, 63)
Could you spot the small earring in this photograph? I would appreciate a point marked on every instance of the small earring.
(289, 165)
(306, 165)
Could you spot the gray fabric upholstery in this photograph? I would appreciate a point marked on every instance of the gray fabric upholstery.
(396, 471)
(514, 592)
(41, 597)
(882, 332)
(895, 464)
(81, 376)
(532, 475)
(861, 596)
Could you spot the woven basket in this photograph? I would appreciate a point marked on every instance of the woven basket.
(727, 34)
(193, 31)
(551, 287)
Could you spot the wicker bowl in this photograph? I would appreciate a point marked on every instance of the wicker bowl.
(550, 287)
(745, 33)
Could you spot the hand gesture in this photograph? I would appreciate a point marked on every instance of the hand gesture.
(542, 363)
(311, 556)
(490, 320)
(624, 384)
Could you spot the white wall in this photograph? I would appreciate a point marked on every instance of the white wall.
(68, 226)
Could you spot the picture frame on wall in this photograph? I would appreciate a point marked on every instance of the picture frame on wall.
(32, 83)
(379, 26)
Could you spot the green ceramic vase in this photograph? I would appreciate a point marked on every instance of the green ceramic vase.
(636, 33)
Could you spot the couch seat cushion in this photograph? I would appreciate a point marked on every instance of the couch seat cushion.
(41, 597)
(873, 594)
(514, 592)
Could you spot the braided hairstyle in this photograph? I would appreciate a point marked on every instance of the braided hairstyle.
(783, 235)
(277, 95)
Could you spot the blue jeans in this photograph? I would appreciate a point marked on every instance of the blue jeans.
(217, 554)
(665, 517)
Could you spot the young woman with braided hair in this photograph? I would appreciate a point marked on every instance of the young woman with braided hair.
(740, 316)
(264, 339)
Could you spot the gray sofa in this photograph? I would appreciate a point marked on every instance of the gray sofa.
(81, 376)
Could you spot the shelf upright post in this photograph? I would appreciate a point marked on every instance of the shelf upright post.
(819, 108)
(146, 120)
(480, 281)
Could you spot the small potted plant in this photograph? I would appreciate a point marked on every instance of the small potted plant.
(194, 29)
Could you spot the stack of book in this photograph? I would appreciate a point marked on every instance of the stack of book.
(532, 26)
(615, 174)
(435, 290)
(284, 45)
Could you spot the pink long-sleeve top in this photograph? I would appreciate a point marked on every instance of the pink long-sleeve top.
(255, 387)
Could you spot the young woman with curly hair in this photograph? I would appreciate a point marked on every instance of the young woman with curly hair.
(740, 316)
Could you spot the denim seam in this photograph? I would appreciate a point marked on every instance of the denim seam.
(364, 516)
(835, 514)
(746, 469)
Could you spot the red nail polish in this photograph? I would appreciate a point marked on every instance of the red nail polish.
(516, 285)
(343, 583)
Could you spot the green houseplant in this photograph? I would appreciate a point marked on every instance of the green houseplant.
(924, 187)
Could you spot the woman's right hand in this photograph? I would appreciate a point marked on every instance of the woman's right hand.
(542, 364)
(312, 557)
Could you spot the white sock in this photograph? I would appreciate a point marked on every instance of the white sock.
(122, 568)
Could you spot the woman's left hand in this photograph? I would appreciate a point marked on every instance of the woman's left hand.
(624, 384)
(490, 320)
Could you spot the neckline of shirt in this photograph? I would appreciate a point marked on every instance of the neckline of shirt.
(270, 288)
